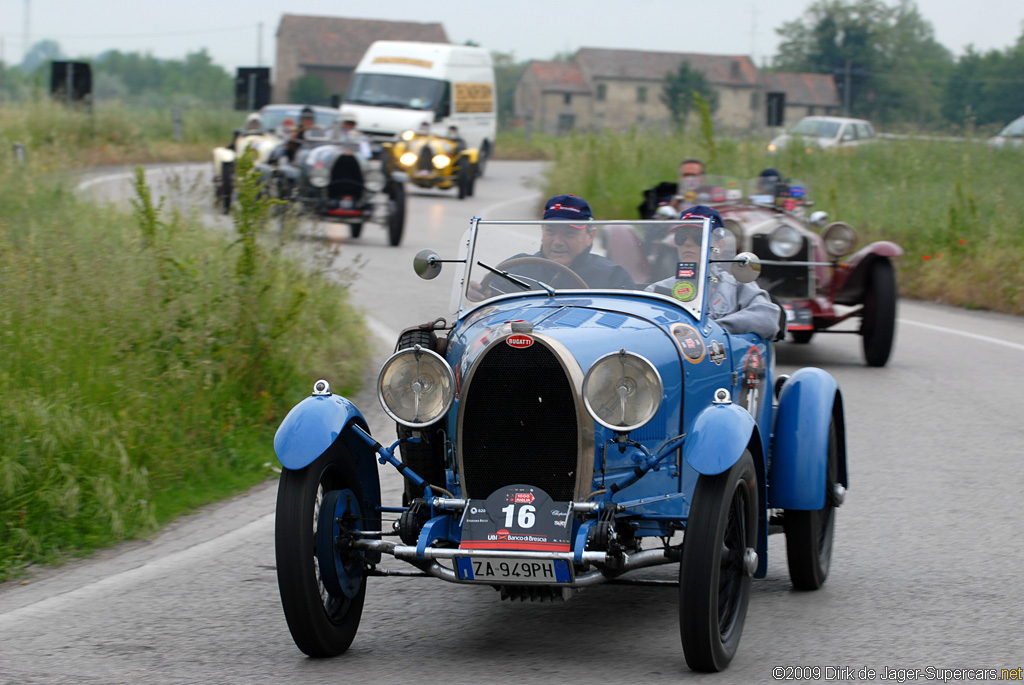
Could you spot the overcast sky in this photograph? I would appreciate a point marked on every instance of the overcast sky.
(530, 29)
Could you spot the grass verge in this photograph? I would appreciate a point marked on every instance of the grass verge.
(953, 207)
(145, 363)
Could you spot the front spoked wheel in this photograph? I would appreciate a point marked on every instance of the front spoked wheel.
(322, 586)
(718, 562)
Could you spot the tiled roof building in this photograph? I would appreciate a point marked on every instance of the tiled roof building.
(331, 47)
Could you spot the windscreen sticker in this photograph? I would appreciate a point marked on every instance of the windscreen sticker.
(690, 342)
(716, 352)
(686, 269)
(684, 291)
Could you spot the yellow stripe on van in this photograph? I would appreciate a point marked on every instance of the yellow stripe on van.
(474, 97)
(426, 64)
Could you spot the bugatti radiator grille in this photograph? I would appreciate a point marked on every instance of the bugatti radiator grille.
(519, 423)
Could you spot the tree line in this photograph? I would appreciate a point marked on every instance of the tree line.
(887, 65)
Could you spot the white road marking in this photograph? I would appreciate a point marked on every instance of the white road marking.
(215, 547)
(104, 179)
(965, 334)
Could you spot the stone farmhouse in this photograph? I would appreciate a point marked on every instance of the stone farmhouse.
(331, 47)
(618, 89)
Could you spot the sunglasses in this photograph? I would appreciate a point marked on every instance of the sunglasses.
(683, 234)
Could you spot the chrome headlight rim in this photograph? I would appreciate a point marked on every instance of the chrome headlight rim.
(840, 238)
(785, 241)
(447, 383)
(656, 389)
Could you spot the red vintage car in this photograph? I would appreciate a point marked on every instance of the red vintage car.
(809, 265)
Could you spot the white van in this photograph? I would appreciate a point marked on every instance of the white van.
(400, 85)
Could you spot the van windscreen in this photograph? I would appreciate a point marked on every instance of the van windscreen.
(388, 90)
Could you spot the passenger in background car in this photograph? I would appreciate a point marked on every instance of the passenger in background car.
(736, 307)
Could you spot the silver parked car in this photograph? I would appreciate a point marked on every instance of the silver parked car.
(1011, 136)
(823, 133)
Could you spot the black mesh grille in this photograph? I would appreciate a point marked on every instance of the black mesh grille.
(783, 281)
(346, 178)
(519, 424)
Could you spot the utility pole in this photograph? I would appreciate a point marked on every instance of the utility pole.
(259, 44)
(25, 39)
(846, 91)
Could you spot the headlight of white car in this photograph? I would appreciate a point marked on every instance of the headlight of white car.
(785, 241)
(416, 387)
(840, 238)
(622, 391)
(441, 161)
(320, 175)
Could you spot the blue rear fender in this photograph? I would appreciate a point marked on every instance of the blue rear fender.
(809, 401)
(313, 425)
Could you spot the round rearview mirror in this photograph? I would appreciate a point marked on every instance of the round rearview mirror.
(818, 218)
(427, 264)
(747, 267)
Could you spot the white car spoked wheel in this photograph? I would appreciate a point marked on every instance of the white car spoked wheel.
(714, 574)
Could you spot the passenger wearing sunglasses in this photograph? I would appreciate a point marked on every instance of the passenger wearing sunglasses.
(736, 307)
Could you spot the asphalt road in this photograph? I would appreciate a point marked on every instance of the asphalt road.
(926, 572)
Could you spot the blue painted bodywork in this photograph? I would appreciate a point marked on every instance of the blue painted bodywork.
(652, 479)
(809, 401)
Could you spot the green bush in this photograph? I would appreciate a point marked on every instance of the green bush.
(144, 363)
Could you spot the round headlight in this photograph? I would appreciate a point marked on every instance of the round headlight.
(416, 387)
(408, 159)
(840, 238)
(622, 391)
(441, 161)
(785, 241)
(408, 135)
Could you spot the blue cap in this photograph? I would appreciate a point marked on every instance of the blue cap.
(700, 212)
(567, 207)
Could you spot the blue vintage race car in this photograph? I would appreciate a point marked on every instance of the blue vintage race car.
(556, 436)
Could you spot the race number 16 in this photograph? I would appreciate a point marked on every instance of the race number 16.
(526, 517)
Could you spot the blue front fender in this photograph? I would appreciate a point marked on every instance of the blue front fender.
(311, 427)
(719, 436)
(807, 404)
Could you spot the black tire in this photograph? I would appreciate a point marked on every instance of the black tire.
(801, 337)
(425, 458)
(714, 588)
(396, 215)
(471, 186)
(464, 179)
(321, 624)
(227, 186)
(481, 160)
(879, 325)
(809, 534)
(355, 230)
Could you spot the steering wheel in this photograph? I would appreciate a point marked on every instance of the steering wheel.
(560, 271)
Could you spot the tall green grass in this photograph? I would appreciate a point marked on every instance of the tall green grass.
(955, 208)
(144, 363)
(60, 137)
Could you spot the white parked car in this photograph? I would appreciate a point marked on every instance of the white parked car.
(1011, 136)
(823, 133)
